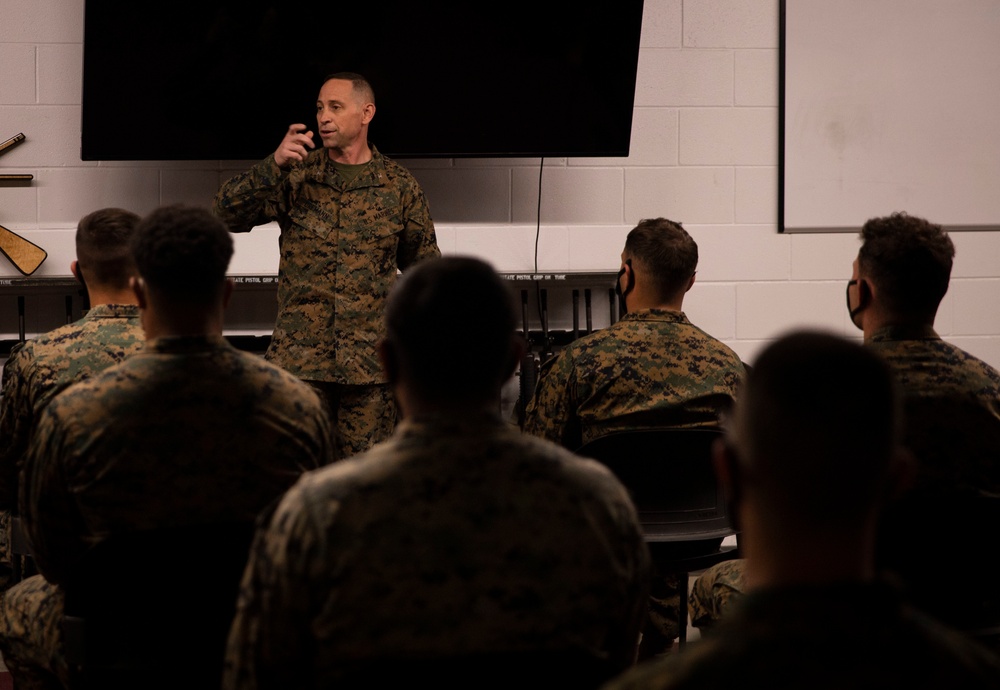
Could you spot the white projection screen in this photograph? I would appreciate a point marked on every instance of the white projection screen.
(889, 105)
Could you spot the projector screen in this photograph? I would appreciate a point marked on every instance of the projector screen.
(889, 105)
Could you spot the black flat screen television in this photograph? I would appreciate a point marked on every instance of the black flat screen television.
(223, 79)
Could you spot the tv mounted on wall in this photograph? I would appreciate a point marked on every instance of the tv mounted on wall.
(223, 79)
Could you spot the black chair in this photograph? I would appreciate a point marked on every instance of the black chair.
(503, 670)
(682, 508)
(152, 609)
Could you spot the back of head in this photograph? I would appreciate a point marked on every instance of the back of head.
(182, 253)
(665, 252)
(909, 261)
(102, 247)
(450, 323)
(815, 430)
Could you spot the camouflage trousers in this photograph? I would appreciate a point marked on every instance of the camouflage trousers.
(713, 592)
(662, 615)
(360, 416)
(7, 555)
(31, 635)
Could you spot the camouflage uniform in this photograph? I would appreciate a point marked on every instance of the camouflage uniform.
(951, 404)
(190, 430)
(454, 536)
(952, 424)
(340, 247)
(713, 592)
(652, 368)
(38, 369)
(851, 635)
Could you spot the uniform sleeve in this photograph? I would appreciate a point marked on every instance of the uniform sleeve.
(418, 240)
(551, 413)
(252, 198)
(270, 643)
(53, 523)
(15, 426)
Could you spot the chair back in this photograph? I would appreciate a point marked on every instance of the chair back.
(153, 608)
(669, 475)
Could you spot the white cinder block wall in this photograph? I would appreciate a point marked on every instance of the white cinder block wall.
(704, 151)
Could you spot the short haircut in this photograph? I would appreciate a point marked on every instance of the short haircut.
(816, 426)
(102, 247)
(183, 252)
(909, 261)
(359, 83)
(450, 321)
(664, 249)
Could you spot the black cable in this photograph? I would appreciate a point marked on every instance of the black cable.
(538, 232)
(538, 211)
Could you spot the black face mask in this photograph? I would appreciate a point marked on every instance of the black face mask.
(857, 310)
(622, 308)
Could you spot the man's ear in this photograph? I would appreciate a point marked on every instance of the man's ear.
(691, 282)
(865, 293)
(227, 292)
(74, 268)
(369, 113)
(138, 287)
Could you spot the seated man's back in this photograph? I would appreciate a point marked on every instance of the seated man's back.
(653, 368)
(446, 541)
(933, 536)
(39, 368)
(809, 463)
(188, 431)
(459, 546)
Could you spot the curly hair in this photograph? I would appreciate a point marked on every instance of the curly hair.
(183, 252)
(909, 261)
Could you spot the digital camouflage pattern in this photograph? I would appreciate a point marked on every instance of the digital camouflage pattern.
(31, 629)
(454, 536)
(361, 416)
(340, 248)
(36, 370)
(652, 368)
(190, 430)
(829, 637)
(951, 407)
(714, 592)
(951, 404)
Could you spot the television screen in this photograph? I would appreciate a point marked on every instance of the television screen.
(223, 79)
